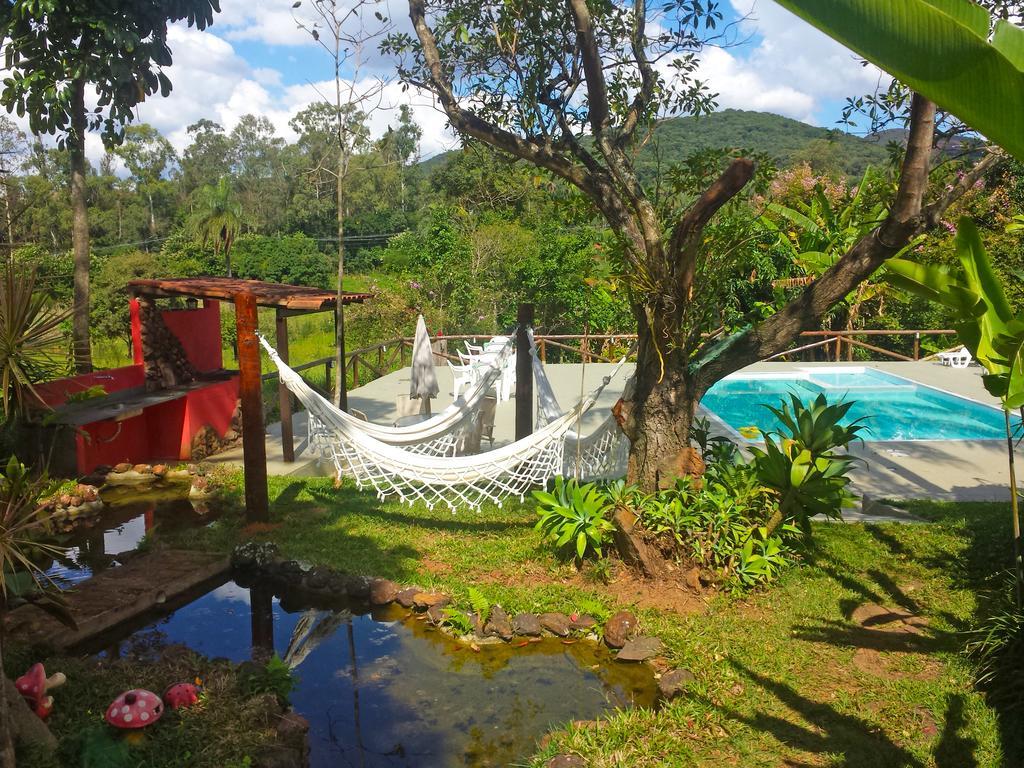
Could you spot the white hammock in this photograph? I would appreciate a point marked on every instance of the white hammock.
(601, 455)
(441, 435)
(510, 470)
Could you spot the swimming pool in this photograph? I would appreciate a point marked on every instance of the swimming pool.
(896, 408)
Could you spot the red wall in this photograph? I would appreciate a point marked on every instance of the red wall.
(198, 330)
(162, 432)
(56, 392)
(199, 333)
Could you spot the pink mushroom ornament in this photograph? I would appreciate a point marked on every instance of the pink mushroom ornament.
(136, 708)
(34, 685)
(181, 695)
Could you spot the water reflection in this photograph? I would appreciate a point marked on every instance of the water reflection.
(121, 528)
(380, 689)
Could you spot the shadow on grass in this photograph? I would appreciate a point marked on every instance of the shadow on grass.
(828, 732)
(350, 501)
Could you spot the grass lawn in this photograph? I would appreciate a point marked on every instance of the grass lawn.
(784, 676)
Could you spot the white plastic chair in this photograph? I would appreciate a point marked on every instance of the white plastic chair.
(464, 358)
(462, 376)
(956, 358)
(472, 349)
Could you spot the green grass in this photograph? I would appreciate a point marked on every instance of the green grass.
(785, 678)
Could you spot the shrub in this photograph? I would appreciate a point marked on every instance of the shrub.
(998, 647)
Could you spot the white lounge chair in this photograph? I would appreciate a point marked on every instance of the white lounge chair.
(956, 358)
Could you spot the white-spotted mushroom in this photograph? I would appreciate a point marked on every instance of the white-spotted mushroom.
(135, 709)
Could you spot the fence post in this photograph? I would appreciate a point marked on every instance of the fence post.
(524, 373)
(250, 390)
(917, 346)
(839, 348)
(284, 397)
(543, 349)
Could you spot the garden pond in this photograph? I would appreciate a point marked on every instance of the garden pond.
(381, 688)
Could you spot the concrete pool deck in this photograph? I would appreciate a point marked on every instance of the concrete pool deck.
(953, 470)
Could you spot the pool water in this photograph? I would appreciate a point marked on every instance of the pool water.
(383, 689)
(893, 408)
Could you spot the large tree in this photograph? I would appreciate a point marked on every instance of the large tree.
(575, 87)
(53, 52)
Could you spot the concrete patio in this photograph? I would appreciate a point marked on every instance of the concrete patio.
(955, 470)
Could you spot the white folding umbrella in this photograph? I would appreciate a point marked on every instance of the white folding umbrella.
(423, 381)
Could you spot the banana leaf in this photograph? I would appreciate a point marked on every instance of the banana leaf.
(941, 49)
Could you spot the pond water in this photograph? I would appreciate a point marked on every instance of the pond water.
(383, 689)
(127, 519)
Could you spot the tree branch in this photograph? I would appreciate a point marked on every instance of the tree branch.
(684, 245)
(593, 67)
(648, 77)
(906, 219)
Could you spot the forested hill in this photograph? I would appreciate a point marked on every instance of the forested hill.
(785, 140)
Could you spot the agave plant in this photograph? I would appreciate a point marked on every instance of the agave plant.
(30, 338)
(802, 463)
(574, 516)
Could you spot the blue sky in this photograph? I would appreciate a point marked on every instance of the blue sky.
(254, 59)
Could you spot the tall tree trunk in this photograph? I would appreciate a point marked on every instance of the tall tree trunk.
(152, 216)
(79, 233)
(658, 415)
(340, 374)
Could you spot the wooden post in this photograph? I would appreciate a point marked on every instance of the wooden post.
(284, 397)
(917, 346)
(839, 347)
(542, 347)
(342, 373)
(524, 373)
(254, 449)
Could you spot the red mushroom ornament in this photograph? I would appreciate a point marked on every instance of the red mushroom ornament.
(136, 708)
(33, 686)
(181, 695)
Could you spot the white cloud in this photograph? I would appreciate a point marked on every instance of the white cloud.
(211, 80)
(742, 86)
(790, 67)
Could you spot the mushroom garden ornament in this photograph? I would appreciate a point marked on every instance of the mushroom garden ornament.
(136, 708)
(34, 685)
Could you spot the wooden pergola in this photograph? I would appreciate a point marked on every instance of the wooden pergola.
(247, 296)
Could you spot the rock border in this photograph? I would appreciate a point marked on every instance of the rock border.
(620, 633)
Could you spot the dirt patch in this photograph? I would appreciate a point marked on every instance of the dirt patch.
(662, 594)
(880, 664)
(436, 567)
(879, 618)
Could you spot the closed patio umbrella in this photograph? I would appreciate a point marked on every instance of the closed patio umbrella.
(423, 381)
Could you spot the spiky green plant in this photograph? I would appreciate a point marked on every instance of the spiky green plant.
(30, 338)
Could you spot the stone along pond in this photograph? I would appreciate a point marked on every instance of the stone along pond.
(381, 688)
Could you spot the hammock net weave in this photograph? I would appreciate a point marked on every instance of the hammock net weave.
(454, 481)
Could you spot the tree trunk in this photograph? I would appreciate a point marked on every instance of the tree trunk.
(340, 374)
(79, 233)
(6, 742)
(657, 416)
(152, 216)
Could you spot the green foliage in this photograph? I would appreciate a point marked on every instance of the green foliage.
(89, 393)
(458, 621)
(275, 677)
(480, 604)
(802, 463)
(30, 338)
(216, 219)
(906, 39)
(997, 645)
(291, 258)
(708, 523)
(118, 47)
(574, 516)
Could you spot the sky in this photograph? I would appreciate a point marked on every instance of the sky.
(254, 59)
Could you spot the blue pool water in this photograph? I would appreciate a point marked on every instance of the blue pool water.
(895, 408)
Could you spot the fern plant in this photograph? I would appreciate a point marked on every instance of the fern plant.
(480, 604)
